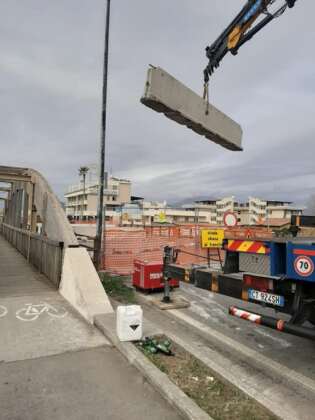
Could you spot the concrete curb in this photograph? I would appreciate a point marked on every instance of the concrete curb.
(159, 380)
(259, 359)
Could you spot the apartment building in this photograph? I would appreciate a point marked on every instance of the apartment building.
(224, 205)
(141, 212)
(262, 210)
(81, 200)
(207, 209)
(123, 209)
(146, 213)
(254, 211)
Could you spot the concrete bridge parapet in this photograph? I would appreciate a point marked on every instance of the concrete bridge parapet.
(32, 206)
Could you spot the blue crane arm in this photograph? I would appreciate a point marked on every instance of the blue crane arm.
(241, 30)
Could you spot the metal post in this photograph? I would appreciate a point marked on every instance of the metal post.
(81, 208)
(83, 170)
(84, 176)
(166, 261)
(29, 246)
(208, 257)
(101, 211)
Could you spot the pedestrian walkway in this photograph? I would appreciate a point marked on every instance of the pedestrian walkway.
(54, 365)
(96, 384)
(35, 320)
(17, 277)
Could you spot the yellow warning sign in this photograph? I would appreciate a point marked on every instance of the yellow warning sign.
(162, 217)
(212, 238)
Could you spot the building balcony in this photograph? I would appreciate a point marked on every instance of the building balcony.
(111, 192)
(89, 189)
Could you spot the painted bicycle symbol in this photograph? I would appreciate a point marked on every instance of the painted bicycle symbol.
(32, 312)
(3, 311)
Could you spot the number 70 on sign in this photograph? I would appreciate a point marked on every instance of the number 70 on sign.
(212, 238)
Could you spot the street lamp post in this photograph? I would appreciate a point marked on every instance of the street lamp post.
(83, 170)
(101, 210)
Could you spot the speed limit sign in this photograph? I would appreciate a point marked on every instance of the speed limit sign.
(304, 266)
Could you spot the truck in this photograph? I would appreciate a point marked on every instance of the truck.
(277, 273)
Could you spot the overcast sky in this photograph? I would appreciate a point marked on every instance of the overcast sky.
(50, 96)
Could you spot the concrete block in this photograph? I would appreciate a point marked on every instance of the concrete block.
(165, 94)
(81, 286)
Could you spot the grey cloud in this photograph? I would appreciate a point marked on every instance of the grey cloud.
(50, 96)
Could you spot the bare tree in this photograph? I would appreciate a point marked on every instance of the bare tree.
(83, 170)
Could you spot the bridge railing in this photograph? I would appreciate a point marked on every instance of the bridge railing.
(44, 254)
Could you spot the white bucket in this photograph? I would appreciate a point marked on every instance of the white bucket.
(129, 322)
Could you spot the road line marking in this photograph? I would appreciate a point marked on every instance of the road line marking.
(3, 311)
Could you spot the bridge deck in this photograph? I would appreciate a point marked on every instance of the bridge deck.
(35, 320)
(17, 276)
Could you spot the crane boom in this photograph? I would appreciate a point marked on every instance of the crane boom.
(241, 30)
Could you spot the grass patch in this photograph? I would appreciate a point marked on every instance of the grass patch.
(116, 288)
(219, 399)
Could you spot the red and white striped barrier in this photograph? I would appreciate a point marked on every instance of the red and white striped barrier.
(275, 324)
(240, 313)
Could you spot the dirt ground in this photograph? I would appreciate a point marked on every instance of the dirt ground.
(220, 400)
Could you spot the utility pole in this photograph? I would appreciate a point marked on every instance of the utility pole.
(101, 210)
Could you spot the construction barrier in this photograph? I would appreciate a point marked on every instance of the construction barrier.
(123, 245)
(253, 232)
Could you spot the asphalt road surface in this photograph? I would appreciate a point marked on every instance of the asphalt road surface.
(212, 309)
(276, 368)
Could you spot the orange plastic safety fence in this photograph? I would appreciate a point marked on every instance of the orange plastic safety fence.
(123, 245)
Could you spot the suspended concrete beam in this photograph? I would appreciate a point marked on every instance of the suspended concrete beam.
(166, 95)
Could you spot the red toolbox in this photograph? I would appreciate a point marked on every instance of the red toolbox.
(149, 276)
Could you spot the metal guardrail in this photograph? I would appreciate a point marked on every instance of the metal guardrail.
(44, 254)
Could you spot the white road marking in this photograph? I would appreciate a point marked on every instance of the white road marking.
(31, 312)
(3, 311)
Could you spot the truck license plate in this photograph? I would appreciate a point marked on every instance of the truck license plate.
(270, 298)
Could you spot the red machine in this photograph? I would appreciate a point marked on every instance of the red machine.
(148, 276)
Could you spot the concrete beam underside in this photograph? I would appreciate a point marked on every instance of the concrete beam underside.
(166, 95)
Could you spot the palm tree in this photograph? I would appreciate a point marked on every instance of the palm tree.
(83, 170)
